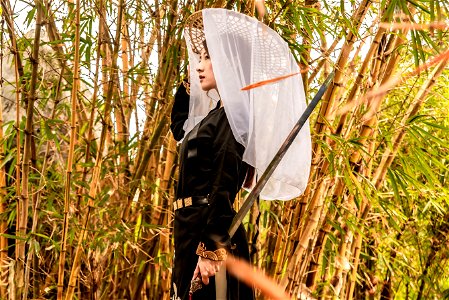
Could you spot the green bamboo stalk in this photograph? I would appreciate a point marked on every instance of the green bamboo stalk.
(24, 199)
(42, 182)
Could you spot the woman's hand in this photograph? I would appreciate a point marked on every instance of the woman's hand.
(206, 268)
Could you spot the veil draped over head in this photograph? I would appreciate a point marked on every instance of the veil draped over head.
(244, 51)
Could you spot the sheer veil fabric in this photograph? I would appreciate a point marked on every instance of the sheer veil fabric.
(244, 51)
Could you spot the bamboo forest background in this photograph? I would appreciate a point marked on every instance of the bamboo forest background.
(88, 162)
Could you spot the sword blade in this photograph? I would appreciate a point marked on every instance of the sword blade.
(278, 157)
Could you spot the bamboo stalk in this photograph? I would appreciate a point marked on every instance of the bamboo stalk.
(90, 130)
(3, 204)
(366, 132)
(93, 188)
(73, 131)
(112, 91)
(42, 182)
(341, 264)
(18, 72)
(307, 43)
(390, 154)
(324, 62)
(328, 100)
(311, 223)
(361, 75)
(165, 243)
(161, 87)
(355, 265)
(24, 199)
(121, 111)
(367, 205)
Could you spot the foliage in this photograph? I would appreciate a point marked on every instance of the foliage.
(88, 162)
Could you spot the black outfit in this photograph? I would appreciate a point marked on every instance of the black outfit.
(210, 166)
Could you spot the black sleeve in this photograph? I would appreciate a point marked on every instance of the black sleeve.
(227, 170)
(180, 112)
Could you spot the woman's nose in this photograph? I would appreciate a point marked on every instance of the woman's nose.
(200, 67)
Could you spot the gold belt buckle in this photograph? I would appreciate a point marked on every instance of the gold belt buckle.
(180, 204)
(183, 202)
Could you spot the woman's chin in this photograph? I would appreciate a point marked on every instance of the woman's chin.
(208, 87)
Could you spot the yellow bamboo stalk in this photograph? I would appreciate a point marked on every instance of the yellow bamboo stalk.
(18, 72)
(73, 130)
(324, 61)
(121, 111)
(329, 98)
(366, 131)
(275, 237)
(3, 221)
(93, 188)
(368, 127)
(355, 266)
(90, 130)
(306, 44)
(147, 155)
(318, 248)
(165, 273)
(166, 247)
(390, 154)
(326, 110)
(295, 226)
(361, 75)
(311, 222)
(160, 90)
(341, 262)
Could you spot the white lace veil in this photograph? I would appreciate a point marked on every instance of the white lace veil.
(245, 51)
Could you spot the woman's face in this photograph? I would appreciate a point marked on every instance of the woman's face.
(205, 72)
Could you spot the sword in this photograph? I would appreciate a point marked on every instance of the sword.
(277, 158)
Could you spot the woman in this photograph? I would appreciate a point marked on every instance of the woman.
(223, 132)
(211, 174)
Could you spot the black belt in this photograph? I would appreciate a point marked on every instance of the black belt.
(189, 201)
